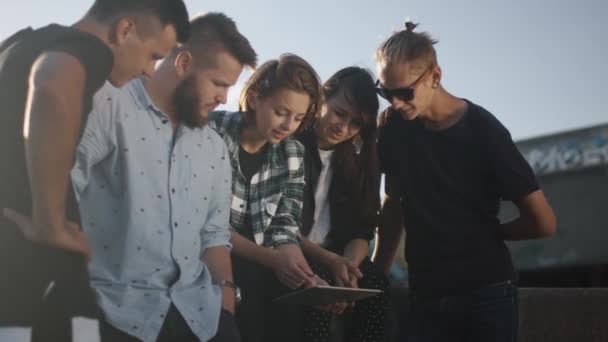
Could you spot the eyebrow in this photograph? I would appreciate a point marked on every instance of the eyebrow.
(341, 110)
(222, 83)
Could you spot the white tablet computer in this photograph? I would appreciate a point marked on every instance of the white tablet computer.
(323, 295)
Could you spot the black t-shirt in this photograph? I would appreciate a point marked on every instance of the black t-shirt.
(251, 163)
(26, 269)
(451, 183)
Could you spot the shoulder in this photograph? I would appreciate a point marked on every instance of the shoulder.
(485, 123)
(58, 71)
(215, 141)
(95, 56)
(224, 122)
(292, 152)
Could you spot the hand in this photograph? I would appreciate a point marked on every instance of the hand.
(70, 238)
(291, 267)
(336, 308)
(345, 272)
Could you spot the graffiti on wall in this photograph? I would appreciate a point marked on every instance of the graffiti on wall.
(569, 154)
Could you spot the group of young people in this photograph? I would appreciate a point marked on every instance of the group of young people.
(134, 203)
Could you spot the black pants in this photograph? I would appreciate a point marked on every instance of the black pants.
(42, 287)
(368, 318)
(488, 314)
(176, 329)
(259, 319)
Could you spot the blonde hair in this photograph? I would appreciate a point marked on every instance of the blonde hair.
(407, 46)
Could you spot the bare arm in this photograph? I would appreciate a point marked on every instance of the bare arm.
(356, 250)
(219, 263)
(391, 227)
(316, 252)
(52, 126)
(287, 260)
(536, 219)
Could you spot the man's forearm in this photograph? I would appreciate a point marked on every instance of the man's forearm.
(219, 263)
(519, 229)
(389, 234)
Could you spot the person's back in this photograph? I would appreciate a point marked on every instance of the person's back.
(47, 79)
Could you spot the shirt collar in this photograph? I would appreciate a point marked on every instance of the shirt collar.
(141, 96)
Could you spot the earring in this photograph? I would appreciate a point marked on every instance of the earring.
(358, 143)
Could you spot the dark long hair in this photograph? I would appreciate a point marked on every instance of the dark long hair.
(355, 161)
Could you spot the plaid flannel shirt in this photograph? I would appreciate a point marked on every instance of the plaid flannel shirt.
(275, 194)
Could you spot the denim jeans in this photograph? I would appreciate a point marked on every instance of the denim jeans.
(489, 314)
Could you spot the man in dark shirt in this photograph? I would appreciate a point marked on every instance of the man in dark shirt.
(448, 162)
(47, 80)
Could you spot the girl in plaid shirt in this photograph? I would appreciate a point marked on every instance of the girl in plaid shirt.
(279, 99)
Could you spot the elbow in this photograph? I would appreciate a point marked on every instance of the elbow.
(547, 226)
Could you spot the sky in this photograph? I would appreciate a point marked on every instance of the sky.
(537, 65)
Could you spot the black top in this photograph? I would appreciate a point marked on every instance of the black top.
(347, 220)
(17, 54)
(26, 268)
(451, 183)
(251, 163)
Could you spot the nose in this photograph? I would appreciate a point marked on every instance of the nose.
(149, 70)
(397, 103)
(222, 96)
(290, 123)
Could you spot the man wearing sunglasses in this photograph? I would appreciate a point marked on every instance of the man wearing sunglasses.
(448, 163)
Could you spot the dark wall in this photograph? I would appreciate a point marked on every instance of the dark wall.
(580, 201)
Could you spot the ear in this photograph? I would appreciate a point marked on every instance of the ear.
(124, 29)
(252, 101)
(183, 63)
(436, 77)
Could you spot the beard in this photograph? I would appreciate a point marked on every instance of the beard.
(187, 103)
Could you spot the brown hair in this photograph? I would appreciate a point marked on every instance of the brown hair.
(169, 12)
(214, 31)
(358, 166)
(408, 46)
(288, 72)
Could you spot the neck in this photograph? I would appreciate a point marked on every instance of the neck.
(322, 142)
(251, 140)
(444, 111)
(92, 26)
(160, 88)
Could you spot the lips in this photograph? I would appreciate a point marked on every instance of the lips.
(278, 135)
(336, 135)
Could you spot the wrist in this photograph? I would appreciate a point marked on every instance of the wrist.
(269, 257)
(231, 294)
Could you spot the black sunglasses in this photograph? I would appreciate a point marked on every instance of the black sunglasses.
(404, 94)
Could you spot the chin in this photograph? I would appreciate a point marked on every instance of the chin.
(408, 116)
(117, 82)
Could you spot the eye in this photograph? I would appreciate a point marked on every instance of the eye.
(300, 118)
(358, 123)
(280, 113)
(339, 114)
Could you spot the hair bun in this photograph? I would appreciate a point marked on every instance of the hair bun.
(410, 26)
